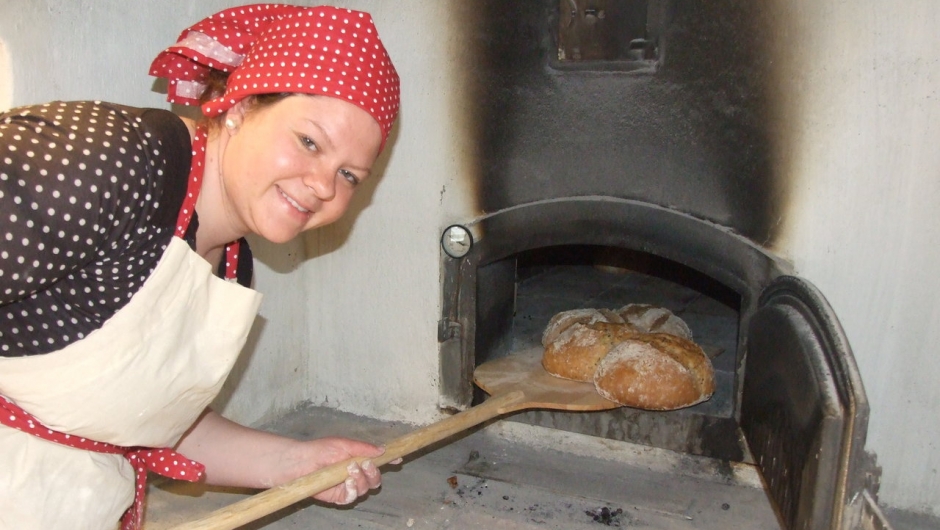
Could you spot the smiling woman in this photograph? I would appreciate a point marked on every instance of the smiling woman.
(124, 272)
(289, 167)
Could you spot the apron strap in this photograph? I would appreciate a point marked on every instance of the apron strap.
(193, 185)
(165, 462)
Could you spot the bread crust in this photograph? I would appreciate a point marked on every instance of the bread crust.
(639, 356)
(654, 319)
(575, 353)
(655, 371)
(565, 319)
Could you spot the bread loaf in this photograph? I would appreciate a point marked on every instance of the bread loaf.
(574, 354)
(564, 320)
(639, 355)
(654, 319)
(655, 371)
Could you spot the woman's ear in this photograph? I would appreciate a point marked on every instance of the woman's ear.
(234, 117)
(231, 125)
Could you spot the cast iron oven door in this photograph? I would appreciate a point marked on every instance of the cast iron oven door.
(804, 412)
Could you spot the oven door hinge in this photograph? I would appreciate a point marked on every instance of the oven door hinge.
(447, 329)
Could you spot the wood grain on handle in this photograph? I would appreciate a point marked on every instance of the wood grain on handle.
(269, 501)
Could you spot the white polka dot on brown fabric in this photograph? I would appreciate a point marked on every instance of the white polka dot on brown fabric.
(78, 237)
(270, 48)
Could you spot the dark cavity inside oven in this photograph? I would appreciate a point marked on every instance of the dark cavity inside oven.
(549, 280)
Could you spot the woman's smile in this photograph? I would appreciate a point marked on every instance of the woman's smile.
(292, 202)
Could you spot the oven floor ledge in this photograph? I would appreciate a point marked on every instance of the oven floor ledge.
(629, 454)
(505, 475)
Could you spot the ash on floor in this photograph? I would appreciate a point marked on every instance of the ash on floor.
(506, 475)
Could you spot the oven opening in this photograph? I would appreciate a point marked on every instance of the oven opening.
(788, 395)
(517, 296)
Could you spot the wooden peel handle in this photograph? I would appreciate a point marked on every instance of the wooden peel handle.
(269, 501)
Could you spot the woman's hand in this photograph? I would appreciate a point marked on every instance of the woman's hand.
(315, 454)
(235, 455)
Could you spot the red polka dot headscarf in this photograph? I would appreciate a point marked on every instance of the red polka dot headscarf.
(269, 48)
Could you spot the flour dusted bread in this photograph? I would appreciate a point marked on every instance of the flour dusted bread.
(639, 356)
(576, 351)
(654, 319)
(655, 371)
(564, 320)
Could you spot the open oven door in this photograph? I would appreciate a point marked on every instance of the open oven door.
(804, 412)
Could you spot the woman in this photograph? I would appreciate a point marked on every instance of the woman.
(115, 333)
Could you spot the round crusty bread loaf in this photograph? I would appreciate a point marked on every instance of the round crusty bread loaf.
(656, 371)
(654, 319)
(565, 319)
(575, 353)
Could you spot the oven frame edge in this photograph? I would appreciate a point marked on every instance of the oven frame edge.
(711, 249)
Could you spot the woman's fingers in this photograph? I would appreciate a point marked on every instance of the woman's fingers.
(352, 492)
(362, 478)
(372, 475)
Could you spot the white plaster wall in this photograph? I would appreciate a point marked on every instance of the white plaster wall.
(6, 77)
(863, 90)
(375, 280)
(98, 49)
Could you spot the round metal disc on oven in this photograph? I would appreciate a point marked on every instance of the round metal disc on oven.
(456, 241)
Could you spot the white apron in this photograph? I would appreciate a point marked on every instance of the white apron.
(142, 379)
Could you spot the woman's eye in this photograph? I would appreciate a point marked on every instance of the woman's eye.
(308, 143)
(350, 177)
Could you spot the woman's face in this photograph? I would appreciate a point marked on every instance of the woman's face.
(294, 165)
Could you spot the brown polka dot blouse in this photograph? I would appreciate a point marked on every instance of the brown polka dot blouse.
(89, 195)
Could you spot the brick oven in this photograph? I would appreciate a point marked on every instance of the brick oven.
(625, 153)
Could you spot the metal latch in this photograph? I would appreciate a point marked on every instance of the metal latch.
(447, 329)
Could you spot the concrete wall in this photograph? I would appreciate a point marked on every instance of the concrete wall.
(350, 312)
(6, 77)
(373, 280)
(863, 86)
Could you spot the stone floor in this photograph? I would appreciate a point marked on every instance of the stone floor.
(507, 475)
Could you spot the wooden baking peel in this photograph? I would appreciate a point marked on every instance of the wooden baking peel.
(515, 383)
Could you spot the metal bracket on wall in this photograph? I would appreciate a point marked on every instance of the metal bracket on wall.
(448, 330)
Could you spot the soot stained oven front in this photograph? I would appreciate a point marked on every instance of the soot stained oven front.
(624, 161)
(788, 394)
